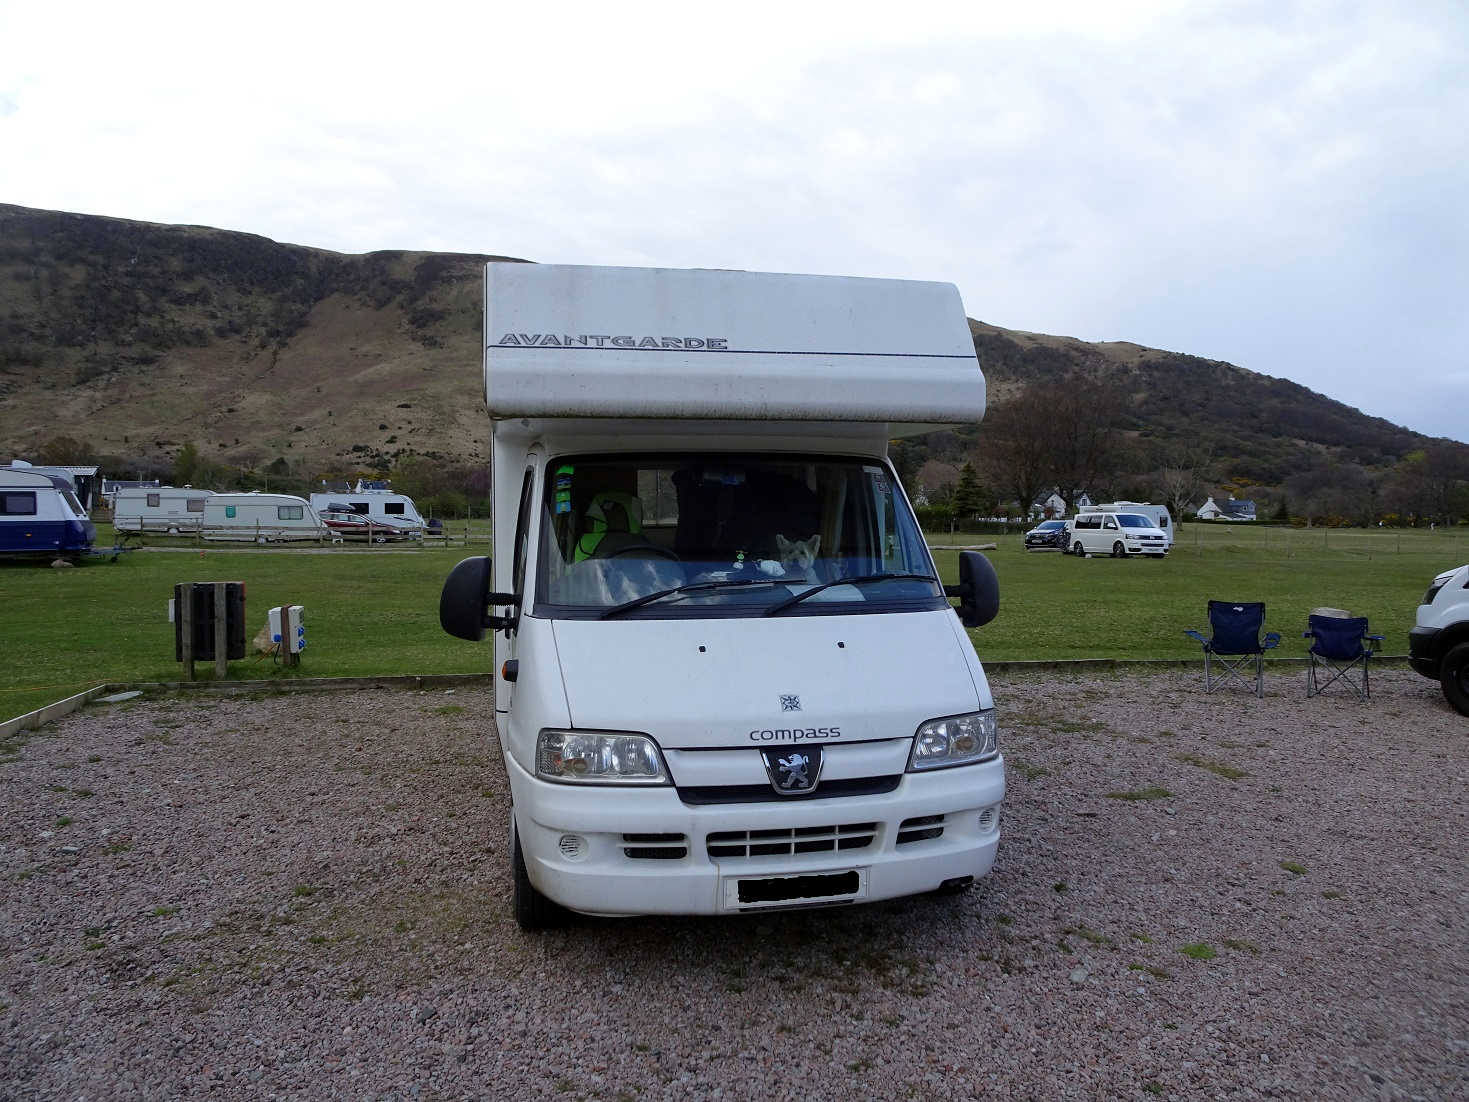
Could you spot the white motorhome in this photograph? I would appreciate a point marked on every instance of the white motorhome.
(1157, 514)
(728, 678)
(1120, 535)
(380, 505)
(176, 510)
(261, 518)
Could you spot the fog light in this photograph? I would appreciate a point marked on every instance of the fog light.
(573, 847)
(989, 819)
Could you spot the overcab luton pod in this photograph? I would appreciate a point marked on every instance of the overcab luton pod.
(728, 676)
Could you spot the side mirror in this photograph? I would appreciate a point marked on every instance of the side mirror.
(978, 590)
(464, 605)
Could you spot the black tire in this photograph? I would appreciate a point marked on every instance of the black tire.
(1118, 551)
(533, 911)
(1453, 675)
(1079, 551)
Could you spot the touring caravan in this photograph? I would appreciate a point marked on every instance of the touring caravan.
(261, 518)
(380, 505)
(728, 678)
(176, 510)
(40, 514)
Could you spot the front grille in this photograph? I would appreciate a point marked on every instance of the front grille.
(790, 840)
(655, 847)
(765, 793)
(920, 829)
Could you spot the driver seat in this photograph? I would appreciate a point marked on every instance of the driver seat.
(613, 522)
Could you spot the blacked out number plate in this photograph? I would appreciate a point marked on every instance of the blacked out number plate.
(779, 889)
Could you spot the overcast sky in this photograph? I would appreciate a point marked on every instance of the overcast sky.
(1282, 185)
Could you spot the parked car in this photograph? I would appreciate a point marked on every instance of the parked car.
(352, 525)
(1048, 535)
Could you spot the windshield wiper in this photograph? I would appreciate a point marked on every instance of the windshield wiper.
(692, 587)
(857, 580)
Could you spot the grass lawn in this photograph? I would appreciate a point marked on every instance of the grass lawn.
(376, 611)
(1061, 606)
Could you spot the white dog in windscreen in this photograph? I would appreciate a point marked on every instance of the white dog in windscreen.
(796, 556)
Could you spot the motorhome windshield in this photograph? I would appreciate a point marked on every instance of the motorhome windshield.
(699, 535)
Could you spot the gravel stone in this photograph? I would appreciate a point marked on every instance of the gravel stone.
(307, 896)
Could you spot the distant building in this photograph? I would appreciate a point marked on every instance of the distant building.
(1230, 509)
(84, 479)
(1048, 506)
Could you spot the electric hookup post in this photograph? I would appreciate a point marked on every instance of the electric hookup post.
(288, 632)
(208, 624)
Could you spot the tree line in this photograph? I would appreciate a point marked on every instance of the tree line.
(1080, 434)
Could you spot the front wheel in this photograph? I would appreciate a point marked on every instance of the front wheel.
(533, 911)
(1078, 550)
(1118, 551)
(1453, 675)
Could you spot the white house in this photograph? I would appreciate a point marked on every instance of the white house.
(1230, 510)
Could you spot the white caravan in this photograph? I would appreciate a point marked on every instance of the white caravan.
(381, 506)
(1157, 514)
(176, 510)
(261, 518)
(1120, 535)
(728, 677)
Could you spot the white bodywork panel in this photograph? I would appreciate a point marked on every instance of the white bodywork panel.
(891, 673)
(573, 341)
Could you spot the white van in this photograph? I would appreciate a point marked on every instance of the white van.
(728, 677)
(172, 509)
(261, 518)
(1117, 534)
(1157, 514)
(1438, 644)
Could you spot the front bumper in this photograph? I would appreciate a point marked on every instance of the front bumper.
(611, 870)
(1159, 549)
(1421, 642)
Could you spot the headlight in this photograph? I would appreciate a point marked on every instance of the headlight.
(957, 740)
(599, 757)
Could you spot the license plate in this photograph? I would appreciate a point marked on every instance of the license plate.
(830, 886)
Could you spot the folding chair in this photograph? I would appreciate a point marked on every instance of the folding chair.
(1340, 647)
(1236, 643)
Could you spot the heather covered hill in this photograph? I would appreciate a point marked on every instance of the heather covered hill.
(139, 338)
(1259, 428)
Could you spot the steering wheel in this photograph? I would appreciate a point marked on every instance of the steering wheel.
(643, 550)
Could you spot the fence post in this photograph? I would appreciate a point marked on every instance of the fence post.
(221, 636)
(184, 607)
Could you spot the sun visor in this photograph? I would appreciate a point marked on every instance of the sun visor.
(574, 341)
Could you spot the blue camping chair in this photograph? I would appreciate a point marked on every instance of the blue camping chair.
(1339, 645)
(1236, 644)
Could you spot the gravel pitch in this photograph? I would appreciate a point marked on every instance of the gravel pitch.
(306, 896)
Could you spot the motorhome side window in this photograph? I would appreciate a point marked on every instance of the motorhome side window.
(288, 512)
(733, 535)
(393, 508)
(154, 499)
(522, 530)
(18, 505)
(195, 504)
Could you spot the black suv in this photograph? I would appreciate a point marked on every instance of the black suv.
(1048, 535)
